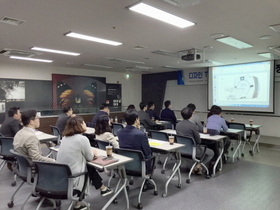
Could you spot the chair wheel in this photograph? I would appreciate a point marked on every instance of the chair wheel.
(127, 188)
(164, 195)
(11, 204)
(155, 193)
(208, 176)
(251, 152)
(115, 201)
(179, 186)
(188, 181)
(159, 162)
(258, 150)
(131, 182)
(242, 154)
(139, 206)
(238, 158)
(231, 149)
(162, 171)
(13, 184)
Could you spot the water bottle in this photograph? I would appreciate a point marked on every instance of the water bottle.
(116, 119)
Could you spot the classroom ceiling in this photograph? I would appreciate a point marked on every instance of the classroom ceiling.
(46, 21)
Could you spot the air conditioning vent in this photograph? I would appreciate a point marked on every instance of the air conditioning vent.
(20, 53)
(11, 21)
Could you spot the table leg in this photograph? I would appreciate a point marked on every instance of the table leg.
(122, 173)
(177, 169)
(258, 136)
(237, 148)
(219, 159)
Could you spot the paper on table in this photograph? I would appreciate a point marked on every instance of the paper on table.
(155, 143)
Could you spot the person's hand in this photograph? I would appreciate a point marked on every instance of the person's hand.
(73, 115)
(95, 152)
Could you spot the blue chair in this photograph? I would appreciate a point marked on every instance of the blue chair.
(101, 144)
(55, 182)
(139, 168)
(56, 132)
(116, 127)
(189, 152)
(5, 154)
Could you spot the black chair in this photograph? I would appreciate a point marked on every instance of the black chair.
(116, 127)
(56, 132)
(56, 182)
(23, 170)
(169, 123)
(102, 144)
(138, 168)
(241, 126)
(163, 137)
(5, 154)
(90, 124)
(189, 152)
(142, 127)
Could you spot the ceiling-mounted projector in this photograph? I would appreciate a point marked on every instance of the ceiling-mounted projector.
(191, 57)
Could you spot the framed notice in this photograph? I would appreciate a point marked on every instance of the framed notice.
(114, 96)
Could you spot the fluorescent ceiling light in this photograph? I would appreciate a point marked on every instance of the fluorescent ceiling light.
(275, 28)
(234, 42)
(160, 15)
(31, 59)
(267, 55)
(93, 39)
(124, 60)
(275, 48)
(93, 65)
(55, 51)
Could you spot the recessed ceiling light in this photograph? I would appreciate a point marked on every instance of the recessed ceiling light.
(31, 59)
(55, 51)
(217, 35)
(267, 55)
(93, 65)
(265, 37)
(275, 28)
(234, 42)
(139, 47)
(93, 39)
(158, 14)
(275, 48)
(11, 21)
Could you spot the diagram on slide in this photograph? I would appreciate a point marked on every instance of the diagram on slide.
(244, 87)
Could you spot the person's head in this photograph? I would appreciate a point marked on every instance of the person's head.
(131, 116)
(186, 113)
(210, 113)
(30, 119)
(14, 112)
(67, 110)
(151, 105)
(104, 107)
(143, 106)
(216, 110)
(102, 125)
(192, 106)
(167, 104)
(74, 125)
(131, 106)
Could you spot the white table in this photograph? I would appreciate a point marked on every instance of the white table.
(256, 129)
(119, 165)
(90, 131)
(47, 139)
(165, 146)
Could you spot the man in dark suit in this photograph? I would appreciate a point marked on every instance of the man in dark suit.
(11, 125)
(189, 129)
(144, 117)
(104, 110)
(131, 137)
(151, 111)
(167, 113)
(62, 119)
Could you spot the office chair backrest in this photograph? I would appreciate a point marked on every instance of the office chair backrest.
(56, 132)
(239, 126)
(135, 167)
(169, 124)
(51, 180)
(23, 167)
(212, 132)
(6, 145)
(159, 135)
(116, 127)
(102, 144)
(189, 142)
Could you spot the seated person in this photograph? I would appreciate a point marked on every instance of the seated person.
(104, 110)
(75, 151)
(216, 122)
(195, 118)
(62, 119)
(131, 137)
(11, 125)
(145, 118)
(103, 131)
(189, 129)
(167, 113)
(151, 111)
(131, 106)
(26, 142)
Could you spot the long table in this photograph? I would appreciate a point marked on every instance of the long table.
(119, 165)
(165, 146)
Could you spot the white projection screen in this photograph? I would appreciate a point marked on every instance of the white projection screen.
(247, 87)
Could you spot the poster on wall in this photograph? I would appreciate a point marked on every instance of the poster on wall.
(114, 96)
(12, 90)
(79, 92)
(2, 107)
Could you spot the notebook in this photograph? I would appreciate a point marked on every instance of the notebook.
(103, 160)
